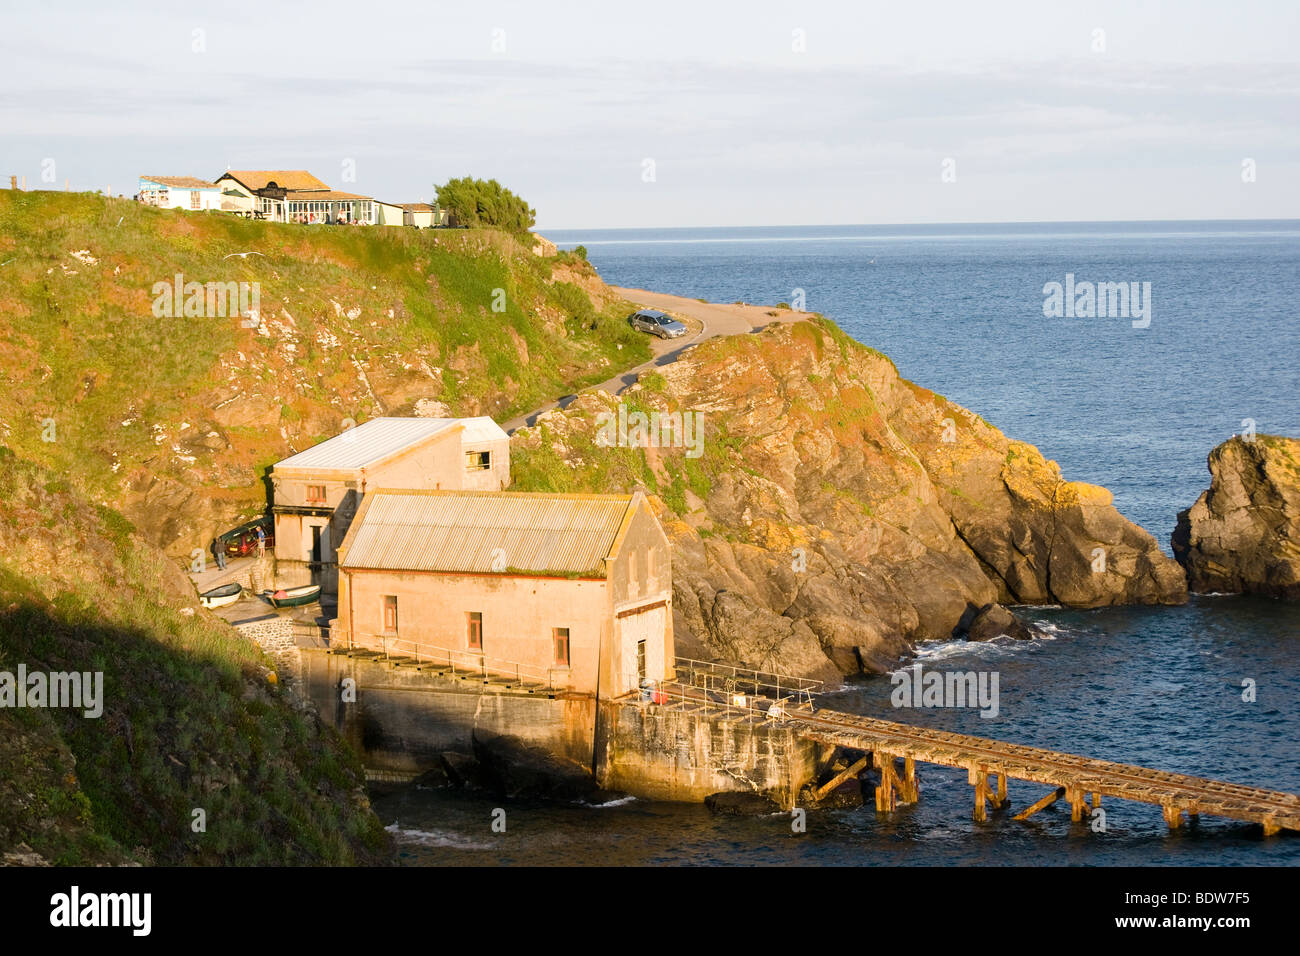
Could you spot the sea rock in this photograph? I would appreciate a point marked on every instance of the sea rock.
(463, 770)
(839, 513)
(994, 621)
(1243, 532)
(741, 803)
(514, 768)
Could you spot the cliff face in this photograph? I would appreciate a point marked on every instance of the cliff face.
(1243, 533)
(837, 512)
(171, 414)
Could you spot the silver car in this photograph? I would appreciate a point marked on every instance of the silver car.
(657, 323)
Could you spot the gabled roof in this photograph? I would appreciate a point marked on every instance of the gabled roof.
(179, 182)
(284, 178)
(419, 207)
(381, 438)
(487, 532)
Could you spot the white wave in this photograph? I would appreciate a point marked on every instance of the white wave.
(620, 802)
(438, 838)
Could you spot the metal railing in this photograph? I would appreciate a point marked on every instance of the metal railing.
(730, 680)
(728, 705)
(461, 662)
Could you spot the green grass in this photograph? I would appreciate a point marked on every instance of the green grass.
(86, 350)
(190, 720)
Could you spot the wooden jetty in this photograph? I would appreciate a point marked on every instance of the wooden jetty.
(1083, 781)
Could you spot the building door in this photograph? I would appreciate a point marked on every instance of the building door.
(641, 648)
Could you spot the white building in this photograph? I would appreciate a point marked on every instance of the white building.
(180, 192)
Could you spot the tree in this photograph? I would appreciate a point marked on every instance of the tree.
(478, 202)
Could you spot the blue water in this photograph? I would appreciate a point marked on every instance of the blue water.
(959, 308)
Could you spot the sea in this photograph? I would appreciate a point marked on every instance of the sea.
(1211, 688)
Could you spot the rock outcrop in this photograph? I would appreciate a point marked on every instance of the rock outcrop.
(1243, 533)
(837, 513)
(996, 621)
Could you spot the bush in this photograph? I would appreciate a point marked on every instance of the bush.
(477, 202)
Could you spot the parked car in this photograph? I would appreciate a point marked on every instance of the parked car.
(657, 323)
(243, 540)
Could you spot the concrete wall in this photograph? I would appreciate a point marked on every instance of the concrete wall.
(664, 754)
(403, 719)
(387, 215)
(518, 615)
(496, 478)
(641, 590)
(437, 462)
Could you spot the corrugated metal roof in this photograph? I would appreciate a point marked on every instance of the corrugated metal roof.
(462, 530)
(368, 443)
(379, 438)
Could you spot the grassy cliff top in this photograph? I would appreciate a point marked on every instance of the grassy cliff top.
(168, 416)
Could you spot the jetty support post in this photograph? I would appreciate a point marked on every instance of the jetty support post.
(1042, 804)
(909, 788)
(885, 791)
(1077, 804)
(981, 781)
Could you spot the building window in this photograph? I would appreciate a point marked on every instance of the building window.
(478, 460)
(195, 200)
(390, 613)
(316, 494)
(560, 636)
(474, 630)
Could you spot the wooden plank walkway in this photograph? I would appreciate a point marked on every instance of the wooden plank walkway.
(1072, 776)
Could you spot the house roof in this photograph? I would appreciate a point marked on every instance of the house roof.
(380, 438)
(316, 195)
(419, 207)
(486, 532)
(284, 178)
(179, 182)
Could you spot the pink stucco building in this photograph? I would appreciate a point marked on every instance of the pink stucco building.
(573, 591)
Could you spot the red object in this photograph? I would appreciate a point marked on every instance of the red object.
(280, 595)
(659, 697)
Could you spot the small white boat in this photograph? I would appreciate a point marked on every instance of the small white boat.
(223, 596)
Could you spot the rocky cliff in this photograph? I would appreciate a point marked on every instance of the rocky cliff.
(834, 512)
(1243, 533)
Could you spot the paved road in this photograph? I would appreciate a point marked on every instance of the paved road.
(711, 319)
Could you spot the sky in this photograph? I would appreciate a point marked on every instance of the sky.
(665, 113)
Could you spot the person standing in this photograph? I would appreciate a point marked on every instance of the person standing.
(219, 552)
(261, 542)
